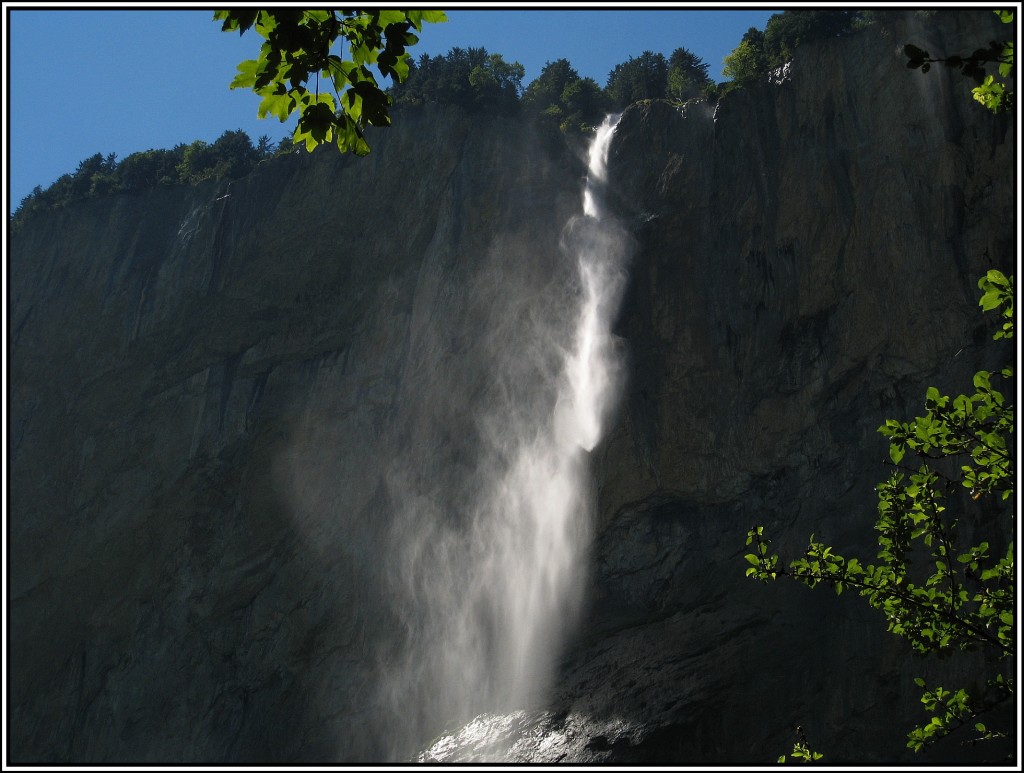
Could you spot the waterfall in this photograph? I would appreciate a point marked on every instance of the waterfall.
(493, 592)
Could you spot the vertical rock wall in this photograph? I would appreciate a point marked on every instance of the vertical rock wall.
(808, 266)
(212, 393)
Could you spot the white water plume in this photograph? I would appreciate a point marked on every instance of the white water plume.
(492, 591)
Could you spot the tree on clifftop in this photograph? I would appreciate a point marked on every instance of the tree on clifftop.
(643, 77)
(687, 75)
(759, 52)
(560, 99)
(471, 78)
(747, 61)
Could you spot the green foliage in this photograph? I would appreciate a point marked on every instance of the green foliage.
(990, 90)
(497, 83)
(712, 92)
(801, 750)
(560, 100)
(264, 146)
(299, 46)
(950, 710)
(231, 156)
(471, 78)
(787, 31)
(801, 753)
(642, 77)
(149, 169)
(546, 89)
(998, 295)
(745, 63)
(760, 52)
(687, 75)
(584, 104)
(933, 592)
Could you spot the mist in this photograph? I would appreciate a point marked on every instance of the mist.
(471, 561)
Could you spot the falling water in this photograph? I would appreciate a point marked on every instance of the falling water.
(495, 591)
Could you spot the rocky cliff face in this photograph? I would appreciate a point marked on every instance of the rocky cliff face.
(220, 395)
(213, 391)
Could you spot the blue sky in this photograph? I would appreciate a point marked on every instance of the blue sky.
(87, 81)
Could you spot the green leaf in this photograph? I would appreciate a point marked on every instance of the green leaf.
(374, 103)
(416, 18)
(990, 300)
(240, 20)
(278, 105)
(390, 17)
(316, 17)
(266, 22)
(246, 75)
(918, 681)
(995, 276)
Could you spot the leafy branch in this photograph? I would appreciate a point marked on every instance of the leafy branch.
(297, 45)
(801, 750)
(967, 601)
(954, 710)
(930, 618)
(990, 92)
